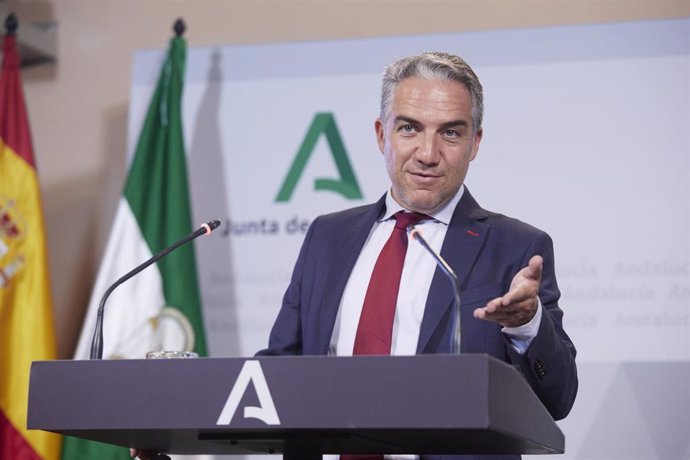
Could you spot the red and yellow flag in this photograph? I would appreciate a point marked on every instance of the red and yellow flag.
(26, 311)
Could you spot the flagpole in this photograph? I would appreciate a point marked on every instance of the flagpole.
(11, 24)
(179, 27)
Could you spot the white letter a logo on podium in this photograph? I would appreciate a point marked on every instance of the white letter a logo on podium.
(266, 411)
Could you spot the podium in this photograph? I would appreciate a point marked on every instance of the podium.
(301, 407)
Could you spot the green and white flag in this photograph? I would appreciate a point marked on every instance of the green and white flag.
(159, 309)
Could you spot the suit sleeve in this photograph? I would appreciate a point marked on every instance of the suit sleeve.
(549, 362)
(286, 334)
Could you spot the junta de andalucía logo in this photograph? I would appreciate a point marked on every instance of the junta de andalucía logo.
(346, 185)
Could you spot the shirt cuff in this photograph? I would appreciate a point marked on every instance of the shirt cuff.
(521, 336)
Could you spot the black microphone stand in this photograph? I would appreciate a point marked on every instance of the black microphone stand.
(97, 341)
(456, 331)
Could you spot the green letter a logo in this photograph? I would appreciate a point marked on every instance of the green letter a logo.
(346, 185)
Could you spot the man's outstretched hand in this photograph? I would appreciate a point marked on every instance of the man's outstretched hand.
(519, 304)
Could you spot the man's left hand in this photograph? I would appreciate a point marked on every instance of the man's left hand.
(519, 304)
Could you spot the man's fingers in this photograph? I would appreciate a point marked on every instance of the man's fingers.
(488, 309)
(513, 315)
(494, 309)
(534, 268)
(513, 309)
(518, 294)
(519, 304)
(526, 282)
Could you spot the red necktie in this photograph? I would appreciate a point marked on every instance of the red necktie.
(375, 329)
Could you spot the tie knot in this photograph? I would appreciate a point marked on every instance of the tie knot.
(405, 219)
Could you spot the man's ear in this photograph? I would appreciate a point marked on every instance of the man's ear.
(380, 133)
(476, 141)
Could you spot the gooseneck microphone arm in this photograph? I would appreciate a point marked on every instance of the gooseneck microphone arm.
(456, 331)
(97, 341)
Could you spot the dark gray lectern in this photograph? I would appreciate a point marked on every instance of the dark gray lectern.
(299, 406)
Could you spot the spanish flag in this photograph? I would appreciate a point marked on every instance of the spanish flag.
(26, 311)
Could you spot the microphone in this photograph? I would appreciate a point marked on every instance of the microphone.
(97, 341)
(456, 335)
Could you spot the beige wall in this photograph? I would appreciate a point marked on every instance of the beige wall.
(78, 106)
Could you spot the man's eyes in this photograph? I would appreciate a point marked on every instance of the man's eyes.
(407, 128)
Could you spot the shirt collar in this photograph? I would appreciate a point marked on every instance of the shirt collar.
(443, 215)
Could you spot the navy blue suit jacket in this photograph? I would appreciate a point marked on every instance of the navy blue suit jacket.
(485, 249)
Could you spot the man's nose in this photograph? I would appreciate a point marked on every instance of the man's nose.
(428, 151)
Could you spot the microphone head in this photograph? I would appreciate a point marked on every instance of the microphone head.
(210, 226)
(412, 231)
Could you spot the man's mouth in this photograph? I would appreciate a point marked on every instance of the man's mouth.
(423, 177)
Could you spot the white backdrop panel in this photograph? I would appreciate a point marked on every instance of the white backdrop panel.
(587, 135)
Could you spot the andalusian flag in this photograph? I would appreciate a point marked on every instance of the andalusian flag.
(159, 309)
(26, 311)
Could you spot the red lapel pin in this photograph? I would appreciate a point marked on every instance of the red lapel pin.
(470, 232)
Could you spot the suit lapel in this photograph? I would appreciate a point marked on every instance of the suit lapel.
(461, 246)
(341, 264)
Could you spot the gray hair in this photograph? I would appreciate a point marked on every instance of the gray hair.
(430, 66)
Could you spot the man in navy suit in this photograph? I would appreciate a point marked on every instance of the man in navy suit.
(429, 131)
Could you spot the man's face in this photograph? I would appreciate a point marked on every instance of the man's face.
(427, 142)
